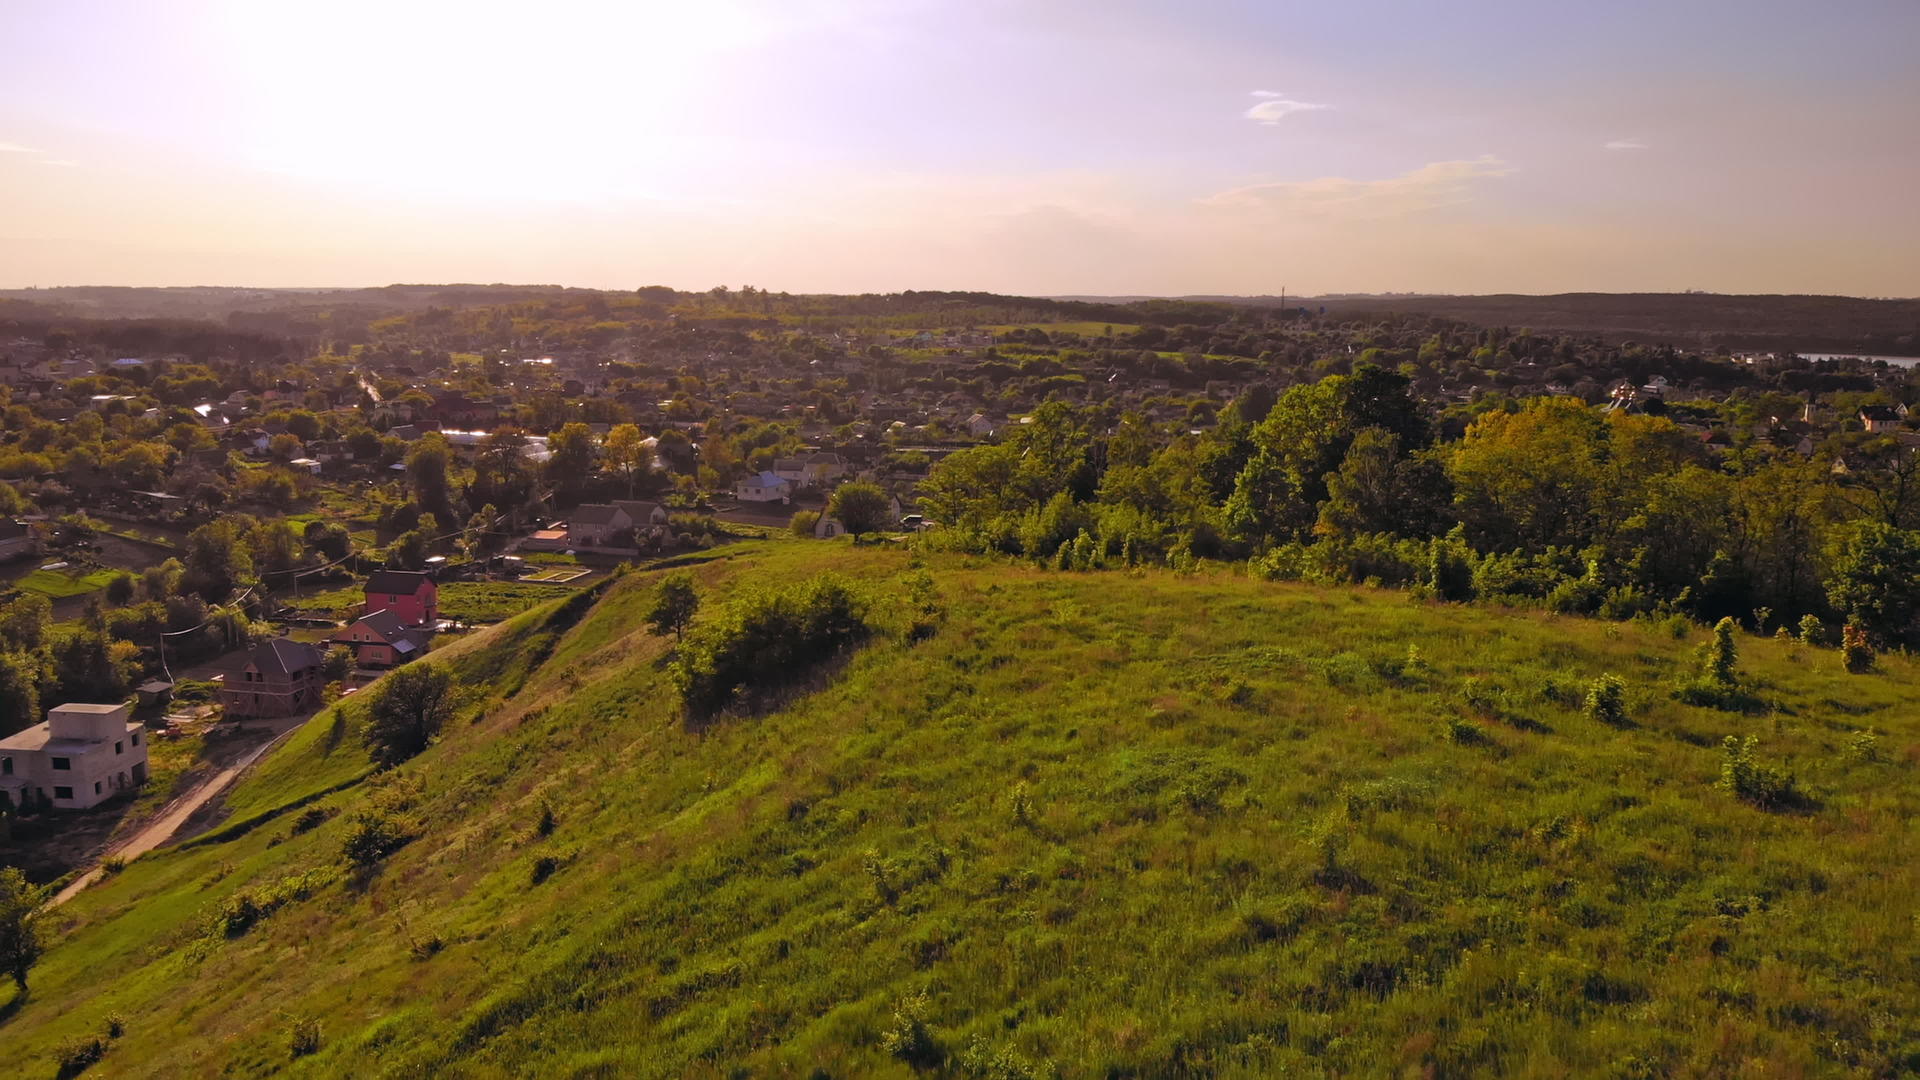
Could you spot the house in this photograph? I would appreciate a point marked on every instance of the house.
(305, 464)
(82, 756)
(814, 470)
(611, 524)
(282, 678)
(1878, 418)
(409, 594)
(16, 540)
(766, 487)
(381, 640)
(979, 426)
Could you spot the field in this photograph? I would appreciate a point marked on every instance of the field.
(492, 601)
(1136, 825)
(65, 582)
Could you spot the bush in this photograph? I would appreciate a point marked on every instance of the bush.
(303, 1038)
(803, 522)
(310, 819)
(543, 868)
(372, 835)
(1607, 701)
(1720, 658)
(1855, 653)
(1812, 631)
(909, 1039)
(1765, 786)
(764, 641)
(79, 1054)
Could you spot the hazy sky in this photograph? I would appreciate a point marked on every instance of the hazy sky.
(1045, 146)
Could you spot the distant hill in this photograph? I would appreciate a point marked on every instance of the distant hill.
(1757, 322)
(1119, 824)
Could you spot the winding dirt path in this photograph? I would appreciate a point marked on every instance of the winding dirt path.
(176, 813)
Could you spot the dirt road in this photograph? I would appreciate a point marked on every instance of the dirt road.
(162, 828)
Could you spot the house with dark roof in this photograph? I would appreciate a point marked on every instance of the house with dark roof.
(620, 524)
(282, 677)
(380, 640)
(1878, 418)
(409, 594)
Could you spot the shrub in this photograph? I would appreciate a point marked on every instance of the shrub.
(1450, 570)
(766, 640)
(116, 1025)
(1606, 701)
(909, 1039)
(79, 1054)
(804, 522)
(303, 1037)
(1766, 786)
(372, 835)
(1720, 658)
(426, 947)
(1855, 654)
(1812, 631)
(113, 864)
(1482, 697)
(1465, 732)
(1864, 746)
(310, 819)
(545, 826)
(543, 868)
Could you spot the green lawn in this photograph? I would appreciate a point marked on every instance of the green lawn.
(1114, 824)
(492, 601)
(72, 581)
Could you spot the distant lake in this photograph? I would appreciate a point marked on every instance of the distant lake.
(1896, 361)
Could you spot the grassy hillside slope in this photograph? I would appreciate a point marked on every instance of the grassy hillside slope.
(1095, 825)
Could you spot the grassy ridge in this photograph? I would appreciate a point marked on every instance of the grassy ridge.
(1100, 824)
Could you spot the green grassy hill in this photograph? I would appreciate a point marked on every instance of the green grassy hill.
(1127, 825)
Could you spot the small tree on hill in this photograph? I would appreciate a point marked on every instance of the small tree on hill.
(1721, 656)
(412, 705)
(1855, 653)
(673, 609)
(19, 925)
(861, 508)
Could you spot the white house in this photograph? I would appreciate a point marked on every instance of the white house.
(814, 470)
(82, 756)
(765, 487)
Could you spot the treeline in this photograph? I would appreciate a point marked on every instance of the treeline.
(1544, 501)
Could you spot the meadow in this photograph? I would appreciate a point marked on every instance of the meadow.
(1091, 824)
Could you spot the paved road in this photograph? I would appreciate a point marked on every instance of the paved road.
(162, 828)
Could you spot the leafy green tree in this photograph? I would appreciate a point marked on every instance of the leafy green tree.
(573, 461)
(861, 507)
(1526, 481)
(25, 622)
(408, 710)
(20, 945)
(673, 609)
(1875, 582)
(427, 463)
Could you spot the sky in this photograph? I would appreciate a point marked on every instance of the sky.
(1048, 147)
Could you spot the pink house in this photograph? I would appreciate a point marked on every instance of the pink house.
(409, 594)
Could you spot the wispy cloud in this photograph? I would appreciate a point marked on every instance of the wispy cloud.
(1274, 107)
(1626, 144)
(16, 148)
(1441, 183)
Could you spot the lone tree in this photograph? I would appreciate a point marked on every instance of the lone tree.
(861, 508)
(673, 609)
(19, 925)
(414, 703)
